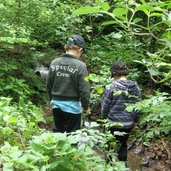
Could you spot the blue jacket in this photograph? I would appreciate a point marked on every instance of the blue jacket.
(114, 101)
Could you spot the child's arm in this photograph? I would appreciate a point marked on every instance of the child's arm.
(50, 79)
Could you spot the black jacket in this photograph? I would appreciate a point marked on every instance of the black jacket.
(115, 99)
(65, 80)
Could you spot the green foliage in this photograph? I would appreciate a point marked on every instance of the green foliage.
(58, 151)
(114, 47)
(18, 78)
(27, 30)
(98, 83)
(149, 19)
(124, 14)
(18, 121)
(10, 85)
(23, 145)
(156, 116)
(156, 65)
(38, 22)
(130, 31)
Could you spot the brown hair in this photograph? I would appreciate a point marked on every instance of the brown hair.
(69, 47)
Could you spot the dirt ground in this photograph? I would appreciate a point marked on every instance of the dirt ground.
(155, 157)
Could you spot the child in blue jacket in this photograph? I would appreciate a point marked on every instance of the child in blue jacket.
(115, 98)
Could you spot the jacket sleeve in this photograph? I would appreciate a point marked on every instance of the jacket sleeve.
(137, 113)
(106, 102)
(138, 93)
(50, 80)
(84, 88)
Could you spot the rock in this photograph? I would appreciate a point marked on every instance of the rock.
(134, 161)
(157, 168)
(140, 149)
(159, 153)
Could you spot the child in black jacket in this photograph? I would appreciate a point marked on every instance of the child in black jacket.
(115, 98)
(67, 89)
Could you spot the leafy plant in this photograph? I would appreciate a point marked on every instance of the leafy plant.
(149, 19)
(156, 116)
(125, 15)
(98, 83)
(18, 122)
(159, 70)
(24, 145)
(58, 151)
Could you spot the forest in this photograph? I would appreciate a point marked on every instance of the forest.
(34, 32)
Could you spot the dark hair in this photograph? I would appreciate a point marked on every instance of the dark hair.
(119, 69)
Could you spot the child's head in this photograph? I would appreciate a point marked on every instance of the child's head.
(119, 69)
(75, 43)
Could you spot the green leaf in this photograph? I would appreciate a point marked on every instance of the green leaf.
(12, 120)
(54, 164)
(99, 90)
(8, 166)
(109, 22)
(155, 14)
(167, 35)
(117, 36)
(116, 124)
(120, 11)
(55, 2)
(43, 168)
(104, 5)
(8, 131)
(168, 4)
(26, 133)
(142, 1)
(86, 10)
(86, 78)
(137, 20)
(93, 78)
(102, 120)
(153, 72)
(129, 108)
(22, 40)
(36, 147)
(143, 7)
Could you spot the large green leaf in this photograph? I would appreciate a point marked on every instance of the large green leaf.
(143, 7)
(87, 10)
(104, 5)
(120, 11)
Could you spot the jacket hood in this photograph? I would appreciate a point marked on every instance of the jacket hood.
(126, 85)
